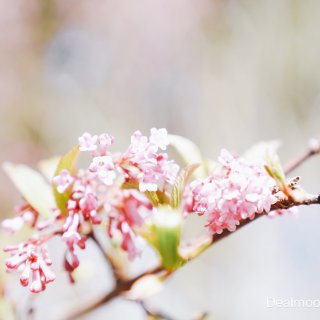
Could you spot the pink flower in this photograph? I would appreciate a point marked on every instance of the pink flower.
(291, 211)
(128, 241)
(87, 142)
(159, 137)
(103, 166)
(133, 201)
(139, 143)
(105, 140)
(240, 191)
(89, 205)
(25, 215)
(72, 237)
(63, 181)
(127, 210)
(142, 162)
(33, 259)
(12, 225)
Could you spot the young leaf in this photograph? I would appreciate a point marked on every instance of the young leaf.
(189, 152)
(274, 169)
(164, 235)
(67, 162)
(33, 187)
(180, 184)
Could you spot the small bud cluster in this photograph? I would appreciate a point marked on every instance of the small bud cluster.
(32, 260)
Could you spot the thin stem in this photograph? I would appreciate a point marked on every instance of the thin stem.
(115, 268)
(121, 287)
(313, 149)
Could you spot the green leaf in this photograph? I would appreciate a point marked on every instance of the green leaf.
(67, 162)
(274, 169)
(33, 187)
(180, 184)
(189, 153)
(164, 235)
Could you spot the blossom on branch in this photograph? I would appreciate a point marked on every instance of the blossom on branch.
(143, 163)
(239, 191)
(137, 195)
(63, 181)
(32, 260)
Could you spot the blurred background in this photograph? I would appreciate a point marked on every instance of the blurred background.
(223, 73)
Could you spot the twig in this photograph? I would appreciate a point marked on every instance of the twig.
(205, 242)
(123, 286)
(114, 267)
(313, 149)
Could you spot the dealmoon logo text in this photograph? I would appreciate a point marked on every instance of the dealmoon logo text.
(291, 302)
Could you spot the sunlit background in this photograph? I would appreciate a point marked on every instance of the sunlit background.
(224, 73)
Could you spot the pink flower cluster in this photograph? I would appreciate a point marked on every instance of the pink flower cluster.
(143, 163)
(239, 191)
(118, 190)
(127, 210)
(97, 194)
(32, 260)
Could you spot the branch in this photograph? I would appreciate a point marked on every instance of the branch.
(195, 248)
(122, 286)
(201, 244)
(116, 271)
(313, 149)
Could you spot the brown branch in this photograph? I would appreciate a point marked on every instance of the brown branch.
(122, 285)
(191, 251)
(117, 273)
(313, 149)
